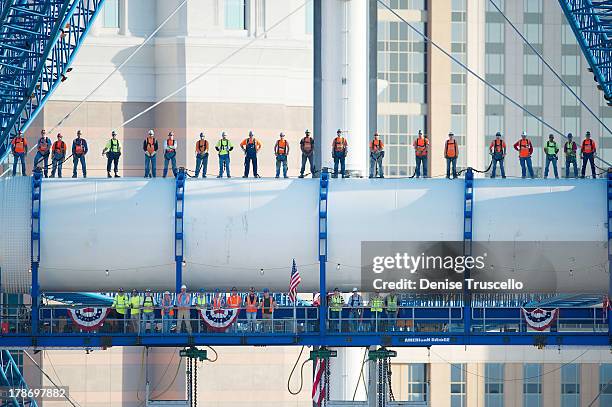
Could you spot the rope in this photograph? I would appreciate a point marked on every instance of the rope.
(301, 374)
(361, 375)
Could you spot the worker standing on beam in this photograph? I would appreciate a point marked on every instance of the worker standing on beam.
(112, 150)
(183, 305)
(339, 152)
(570, 148)
(588, 151)
(281, 151)
(43, 150)
(252, 303)
(150, 147)
(525, 149)
(307, 147)
(421, 149)
(451, 151)
(376, 308)
(377, 153)
(224, 146)
(235, 302)
(148, 312)
(497, 149)
(267, 304)
(250, 147)
(79, 150)
(336, 302)
(119, 307)
(167, 312)
(551, 150)
(58, 151)
(170, 154)
(135, 303)
(201, 149)
(19, 148)
(392, 305)
(355, 304)
(200, 306)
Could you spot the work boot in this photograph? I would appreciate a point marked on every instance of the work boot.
(245, 176)
(73, 175)
(257, 176)
(382, 176)
(301, 176)
(108, 175)
(117, 175)
(219, 176)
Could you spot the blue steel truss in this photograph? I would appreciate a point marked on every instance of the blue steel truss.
(591, 22)
(179, 210)
(38, 41)
(11, 378)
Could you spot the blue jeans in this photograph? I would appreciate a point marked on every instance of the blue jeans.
(45, 159)
(248, 161)
(224, 162)
(588, 158)
(17, 157)
(166, 323)
(201, 163)
(571, 160)
(281, 159)
(339, 158)
(75, 161)
(498, 158)
(307, 157)
(551, 159)
(451, 162)
(526, 161)
(421, 162)
(376, 166)
(355, 316)
(167, 158)
(147, 316)
(334, 321)
(58, 162)
(150, 165)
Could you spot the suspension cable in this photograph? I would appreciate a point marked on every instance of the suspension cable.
(73, 403)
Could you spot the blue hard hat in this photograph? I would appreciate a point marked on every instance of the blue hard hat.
(265, 290)
(201, 290)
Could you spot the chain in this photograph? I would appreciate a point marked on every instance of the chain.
(189, 392)
(391, 396)
(379, 384)
(195, 384)
(326, 378)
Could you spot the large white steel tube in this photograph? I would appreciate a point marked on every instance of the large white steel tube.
(100, 234)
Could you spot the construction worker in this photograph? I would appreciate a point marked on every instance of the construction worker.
(224, 147)
(201, 150)
(525, 149)
(167, 312)
(134, 304)
(421, 149)
(43, 150)
(376, 309)
(377, 153)
(336, 302)
(497, 149)
(79, 150)
(588, 149)
(355, 303)
(58, 151)
(252, 303)
(307, 148)
(234, 302)
(170, 154)
(451, 151)
(112, 150)
(250, 147)
(119, 309)
(281, 151)
(183, 305)
(570, 148)
(150, 147)
(551, 150)
(391, 304)
(200, 303)
(148, 312)
(19, 148)
(267, 304)
(339, 151)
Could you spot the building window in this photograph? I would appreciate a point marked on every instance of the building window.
(532, 95)
(494, 385)
(533, 33)
(605, 384)
(235, 12)
(532, 6)
(494, 33)
(417, 387)
(532, 385)
(458, 385)
(309, 17)
(570, 385)
(110, 14)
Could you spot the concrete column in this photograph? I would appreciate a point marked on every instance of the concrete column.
(589, 383)
(475, 384)
(344, 374)
(551, 384)
(439, 384)
(513, 385)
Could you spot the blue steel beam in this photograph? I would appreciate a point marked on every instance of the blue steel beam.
(323, 199)
(11, 377)
(179, 211)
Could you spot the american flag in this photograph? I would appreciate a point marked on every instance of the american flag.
(318, 384)
(294, 281)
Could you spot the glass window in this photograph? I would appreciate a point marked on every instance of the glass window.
(494, 64)
(458, 384)
(494, 32)
(532, 95)
(490, 7)
(532, 6)
(494, 385)
(570, 385)
(416, 382)
(532, 385)
(605, 384)
(235, 14)
(533, 33)
(110, 14)
(570, 65)
(532, 65)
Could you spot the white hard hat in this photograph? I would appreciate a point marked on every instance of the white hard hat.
(151, 132)
(183, 286)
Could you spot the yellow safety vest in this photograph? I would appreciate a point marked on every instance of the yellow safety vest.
(336, 303)
(201, 301)
(147, 304)
(376, 304)
(120, 303)
(135, 305)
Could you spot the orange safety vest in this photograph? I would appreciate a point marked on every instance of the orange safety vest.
(150, 144)
(251, 304)
(339, 144)
(78, 148)
(307, 144)
(234, 301)
(43, 146)
(19, 145)
(59, 147)
(376, 145)
(420, 145)
(524, 147)
(216, 303)
(170, 142)
(202, 146)
(281, 147)
(588, 146)
(451, 148)
(498, 146)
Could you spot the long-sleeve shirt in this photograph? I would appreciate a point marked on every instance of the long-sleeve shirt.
(113, 146)
(169, 147)
(80, 142)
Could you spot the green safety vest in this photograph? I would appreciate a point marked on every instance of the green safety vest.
(392, 303)
(335, 303)
(114, 146)
(376, 304)
(224, 146)
(120, 303)
(135, 304)
(569, 149)
(201, 300)
(551, 147)
(147, 304)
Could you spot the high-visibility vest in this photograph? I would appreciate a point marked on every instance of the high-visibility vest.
(79, 146)
(588, 146)
(135, 304)
(223, 146)
(170, 143)
(43, 145)
(498, 146)
(251, 303)
(551, 148)
(307, 142)
(201, 301)
(151, 145)
(570, 148)
(335, 303)
(376, 304)
(167, 305)
(19, 145)
(202, 146)
(234, 301)
(267, 305)
(339, 144)
(147, 304)
(114, 146)
(376, 145)
(524, 148)
(450, 149)
(120, 303)
(392, 303)
(281, 147)
(420, 147)
(217, 302)
(59, 147)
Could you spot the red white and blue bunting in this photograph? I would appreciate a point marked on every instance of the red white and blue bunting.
(90, 318)
(540, 319)
(218, 320)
